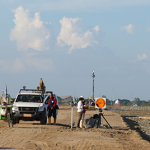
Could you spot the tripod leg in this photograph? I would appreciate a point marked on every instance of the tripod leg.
(106, 121)
(99, 120)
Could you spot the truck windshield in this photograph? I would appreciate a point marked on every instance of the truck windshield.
(30, 98)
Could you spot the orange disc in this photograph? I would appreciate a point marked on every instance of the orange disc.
(100, 103)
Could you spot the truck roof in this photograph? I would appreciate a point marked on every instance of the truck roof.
(31, 90)
(30, 93)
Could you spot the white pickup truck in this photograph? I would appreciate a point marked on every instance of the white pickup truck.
(31, 105)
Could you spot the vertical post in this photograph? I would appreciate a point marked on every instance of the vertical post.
(93, 75)
(93, 87)
(71, 114)
(6, 93)
(113, 96)
(71, 117)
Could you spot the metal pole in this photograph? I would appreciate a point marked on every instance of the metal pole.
(6, 93)
(71, 117)
(93, 87)
(93, 75)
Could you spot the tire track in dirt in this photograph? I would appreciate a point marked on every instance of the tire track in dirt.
(84, 145)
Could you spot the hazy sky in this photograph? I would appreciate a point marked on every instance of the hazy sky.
(63, 41)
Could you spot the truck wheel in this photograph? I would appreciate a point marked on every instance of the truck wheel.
(43, 121)
(14, 121)
(17, 120)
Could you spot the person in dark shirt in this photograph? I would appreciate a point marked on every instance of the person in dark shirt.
(51, 109)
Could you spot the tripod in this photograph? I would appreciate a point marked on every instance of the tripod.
(99, 119)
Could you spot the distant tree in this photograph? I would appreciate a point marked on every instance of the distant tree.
(123, 103)
(144, 103)
(137, 101)
(130, 103)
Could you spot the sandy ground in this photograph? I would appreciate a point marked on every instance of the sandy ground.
(31, 135)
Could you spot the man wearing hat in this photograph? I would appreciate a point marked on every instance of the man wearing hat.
(80, 110)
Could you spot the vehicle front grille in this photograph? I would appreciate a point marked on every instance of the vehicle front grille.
(27, 109)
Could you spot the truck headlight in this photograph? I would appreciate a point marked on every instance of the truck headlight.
(15, 108)
(41, 108)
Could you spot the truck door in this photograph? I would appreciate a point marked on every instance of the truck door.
(57, 104)
(46, 103)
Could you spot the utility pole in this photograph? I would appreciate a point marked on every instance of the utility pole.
(132, 97)
(93, 75)
(113, 95)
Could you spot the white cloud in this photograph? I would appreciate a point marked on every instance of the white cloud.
(128, 28)
(71, 34)
(29, 31)
(96, 28)
(26, 63)
(144, 56)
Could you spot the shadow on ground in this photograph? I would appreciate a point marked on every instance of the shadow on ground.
(131, 124)
(52, 124)
(7, 148)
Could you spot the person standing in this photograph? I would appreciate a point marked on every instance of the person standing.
(80, 110)
(51, 108)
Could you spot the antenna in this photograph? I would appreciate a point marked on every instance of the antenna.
(132, 97)
(113, 93)
(74, 91)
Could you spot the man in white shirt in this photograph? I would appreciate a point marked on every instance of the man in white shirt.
(80, 110)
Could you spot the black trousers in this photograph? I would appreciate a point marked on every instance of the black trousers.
(52, 112)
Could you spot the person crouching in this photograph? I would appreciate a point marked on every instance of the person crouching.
(51, 109)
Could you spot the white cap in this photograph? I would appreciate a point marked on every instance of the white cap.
(81, 97)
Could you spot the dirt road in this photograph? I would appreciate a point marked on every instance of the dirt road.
(32, 135)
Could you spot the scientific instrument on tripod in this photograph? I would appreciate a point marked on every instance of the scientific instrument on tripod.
(100, 103)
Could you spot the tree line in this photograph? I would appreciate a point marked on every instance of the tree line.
(126, 102)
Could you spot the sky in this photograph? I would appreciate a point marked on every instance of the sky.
(63, 41)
